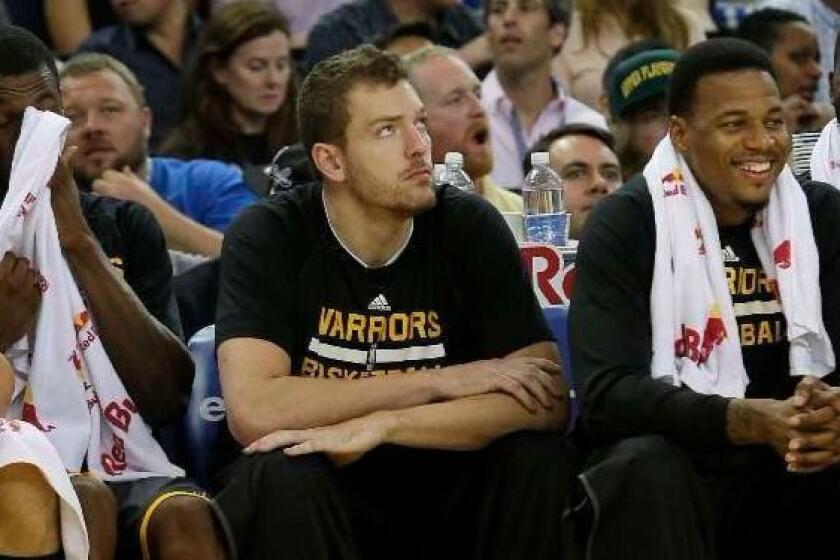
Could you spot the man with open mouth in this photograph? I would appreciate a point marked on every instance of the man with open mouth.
(457, 121)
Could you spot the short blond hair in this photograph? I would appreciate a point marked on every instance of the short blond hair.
(90, 63)
(421, 55)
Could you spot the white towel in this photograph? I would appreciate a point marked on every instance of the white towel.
(21, 442)
(73, 393)
(689, 290)
(825, 159)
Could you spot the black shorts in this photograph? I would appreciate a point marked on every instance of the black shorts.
(137, 501)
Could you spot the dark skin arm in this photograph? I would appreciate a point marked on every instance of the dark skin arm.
(19, 299)
(152, 363)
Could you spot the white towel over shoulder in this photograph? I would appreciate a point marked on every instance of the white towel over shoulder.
(72, 393)
(825, 158)
(695, 334)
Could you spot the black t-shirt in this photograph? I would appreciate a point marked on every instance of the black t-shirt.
(610, 323)
(762, 328)
(133, 241)
(456, 293)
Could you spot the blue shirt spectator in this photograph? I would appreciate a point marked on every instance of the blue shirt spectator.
(210, 192)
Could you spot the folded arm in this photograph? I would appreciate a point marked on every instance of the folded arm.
(263, 397)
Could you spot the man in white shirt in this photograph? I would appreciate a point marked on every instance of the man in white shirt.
(457, 121)
(522, 99)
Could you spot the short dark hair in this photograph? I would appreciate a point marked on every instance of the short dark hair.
(626, 52)
(24, 53)
(322, 104)
(411, 29)
(714, 56)
(577, 129)
(558, 10)
(762, 27)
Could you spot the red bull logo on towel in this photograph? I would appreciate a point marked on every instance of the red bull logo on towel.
(698, 348)
(782, 254)
(80, 320)
(30, 414)
(26, 205)
(673, 183)
(701, 243)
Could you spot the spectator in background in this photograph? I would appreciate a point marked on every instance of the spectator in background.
(154, 39)
(824, 160)
(363, 21)
(600, 28)
(790, 42)
(70, 22)
(584, 157)
(636, 89)
(302, 16)
(457, 121)
(240, 91)
(824, 17)
(194, 201)
(407, 38)
(520, 96)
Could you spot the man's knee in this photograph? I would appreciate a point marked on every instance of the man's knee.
(536, 452)
(95, 496)
(650, 458)
(276, 471)
(29, 511)
(180, 522)
(645, 470)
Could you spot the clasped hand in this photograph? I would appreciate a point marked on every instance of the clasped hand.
(813, 426)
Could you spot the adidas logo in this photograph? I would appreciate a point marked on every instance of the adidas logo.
(379, 303)
(729, 255)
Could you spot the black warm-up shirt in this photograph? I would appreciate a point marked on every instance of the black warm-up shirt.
(610, 321)
(133, 242)
(456, 293)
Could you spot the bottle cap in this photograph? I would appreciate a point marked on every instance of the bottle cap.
(539, 158)
(454, 158)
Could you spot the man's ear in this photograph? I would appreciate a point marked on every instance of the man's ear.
(148, 121)
(329, 159)
(678, 129)
(557, 36)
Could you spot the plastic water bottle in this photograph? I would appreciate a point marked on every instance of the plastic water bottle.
(455, 174)
(439, 175)
(545, 220)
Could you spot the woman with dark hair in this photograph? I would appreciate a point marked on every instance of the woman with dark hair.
(240, 90)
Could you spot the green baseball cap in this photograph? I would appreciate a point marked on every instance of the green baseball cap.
(639, 78)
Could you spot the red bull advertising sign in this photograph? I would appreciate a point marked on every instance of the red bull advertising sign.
(551, 270)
